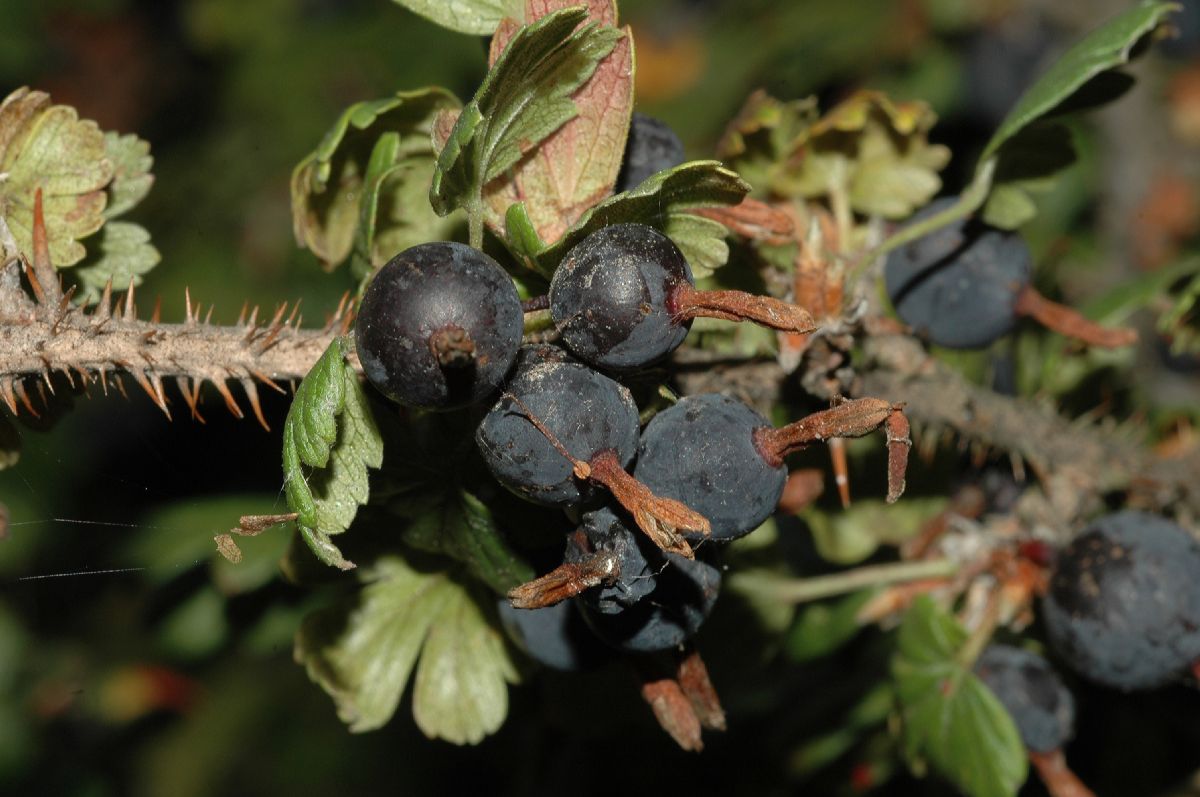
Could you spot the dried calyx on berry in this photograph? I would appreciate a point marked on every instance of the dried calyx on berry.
(624, 298)
(439, 326)
(965, 285)
(724, 460)
(1123, 607)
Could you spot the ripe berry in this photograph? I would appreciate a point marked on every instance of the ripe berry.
(554, 636)
(662, 604)
(1123, 608)
(604, 531)
(562, 428)
(964, 286)
(439, 326)
(652, 146)
(624, 297)
(959, 285)
(1033, 694)
(585, 412)
(724, 460)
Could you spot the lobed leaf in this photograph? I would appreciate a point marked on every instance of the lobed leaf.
(478, 17)
(329, 441)
(363, 189)
(363, 650)
(124, 255)
(949, 717)
(663, 201)
(524, 98)
(132, 180)
(49, 147)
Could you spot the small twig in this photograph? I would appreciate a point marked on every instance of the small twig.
(786, 590)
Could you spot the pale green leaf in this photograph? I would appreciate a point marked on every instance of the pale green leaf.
(663, 202)
(823, 627)
(524, 98)
(124, 254)
(1009, 206)
(849, 536)
(462, 527)
(478, 17)
(132, 179)
(461, 689)
(51, 148)
(329, 442)
(363, 650)
(1105, 48)
(949, 717)
(330, 204)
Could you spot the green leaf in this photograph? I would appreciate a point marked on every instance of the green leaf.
(49, 147)
(950, 718)
(124, 255)
(524, 98)
(823, 627)
(522, 239)
(1103, 49)
(462, 527)
(848, 536)
(329, 441)
(334, 208)
(478, 17)
(180, 536)
(363, 650)
(132, 179)
(663, 201)
(461, 688)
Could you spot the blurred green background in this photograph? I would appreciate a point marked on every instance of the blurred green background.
(134, 661)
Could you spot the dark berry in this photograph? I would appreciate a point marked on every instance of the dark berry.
(1123, 607)
(439, 326)
(585, 413)
(652, 146)
(702, 452)
(965, 285)
(1033, 694)
(959, 285)
(725, 461)
(624, 297)
(555, 636)
(607, 532)
(681, 595)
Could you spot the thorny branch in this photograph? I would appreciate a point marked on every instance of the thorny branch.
(39, 339)
(1077, 462)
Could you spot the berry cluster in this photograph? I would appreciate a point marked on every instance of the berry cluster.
(440, 328)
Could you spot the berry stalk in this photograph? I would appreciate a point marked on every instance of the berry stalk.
(1068, 322)
(686, 303)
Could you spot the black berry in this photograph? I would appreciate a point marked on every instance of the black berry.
(555, 636)
(624, 297)
(702, 452)
(1123, 608)
(959, 285)
(585, 412)
(1033, 694)
(652, 146)
(439, 326)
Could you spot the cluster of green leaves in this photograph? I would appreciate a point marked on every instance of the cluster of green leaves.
(88, 179)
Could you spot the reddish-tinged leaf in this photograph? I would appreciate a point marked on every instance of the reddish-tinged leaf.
(576, 166)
